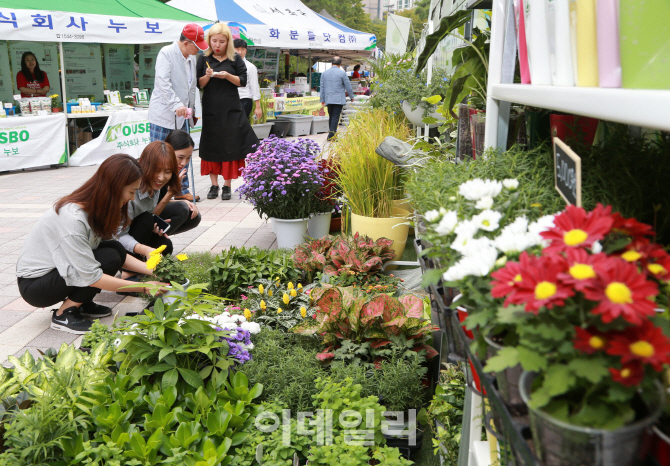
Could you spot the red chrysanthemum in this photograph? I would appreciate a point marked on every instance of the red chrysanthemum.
(507, 279)
(581, 268)
(590, 341)
(622, 291)
(646, 344)
(629, 375)
(630, 226)
(575, 228)
(540, 285)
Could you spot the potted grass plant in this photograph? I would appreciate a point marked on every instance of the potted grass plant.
(261, 126)
(369, 182)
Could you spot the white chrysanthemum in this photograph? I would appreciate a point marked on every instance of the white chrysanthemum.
(478, 265)
(466, 228)
(518, 226)
(487, 220)
(538, 226)
(443, 211)
(431, 216)
(469, 246)
(251, 327)
(473, 190)
(248, 347)
(485, 202)
(239, 318)
(510, 242)
(510, 183)
(447, 224)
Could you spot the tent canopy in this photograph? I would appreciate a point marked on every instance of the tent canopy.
(287, 24)
(97, 21)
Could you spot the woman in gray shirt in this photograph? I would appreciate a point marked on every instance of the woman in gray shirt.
(69, 255)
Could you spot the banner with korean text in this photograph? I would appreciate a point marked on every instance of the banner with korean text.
(28, 142)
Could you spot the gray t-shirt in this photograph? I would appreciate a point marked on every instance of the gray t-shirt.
(142, 203)
(63, 241)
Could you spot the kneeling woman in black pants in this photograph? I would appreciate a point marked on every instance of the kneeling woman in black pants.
(159, 169)
(69, 255)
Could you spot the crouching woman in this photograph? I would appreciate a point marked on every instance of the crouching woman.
(69, 255)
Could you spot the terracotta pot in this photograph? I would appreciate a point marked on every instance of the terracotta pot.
(567, 127)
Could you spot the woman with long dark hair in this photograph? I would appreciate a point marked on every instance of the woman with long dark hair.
(70, 256)
(159, 169)
(31, 80)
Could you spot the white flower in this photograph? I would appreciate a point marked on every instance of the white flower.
(117, 342)
(478, 265)
(485, 202)
(443, 211)
(248, 347)
(470, 246)
(597, 248)
(476, 189)
(447, 224)
(431, 215)
(251, 327)
(538, 226)
(466, 229)
(487, 220)
(518, 226)
(510, 183)
(509, 242)
(452, 198)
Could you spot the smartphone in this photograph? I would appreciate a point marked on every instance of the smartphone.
(162, 224)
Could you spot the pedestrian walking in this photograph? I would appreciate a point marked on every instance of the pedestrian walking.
(335, 87)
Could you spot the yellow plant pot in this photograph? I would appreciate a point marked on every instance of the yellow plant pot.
(407, 205)
(377, 228)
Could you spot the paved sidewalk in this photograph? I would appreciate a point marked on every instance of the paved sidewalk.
(25, 196)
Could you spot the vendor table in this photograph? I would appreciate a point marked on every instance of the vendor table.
(32, 141)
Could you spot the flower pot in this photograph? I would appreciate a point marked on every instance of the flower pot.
(416, 116)
(280, 128)
(262, 130)
(56, 109)
(390, 228)
(172, 295)
(567, 127)
(335, 223)
(561, 444)
(508, 382)
(318, 225)
(660, 448)
(290, 233)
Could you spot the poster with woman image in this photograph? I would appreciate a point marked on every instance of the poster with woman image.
(47, 56)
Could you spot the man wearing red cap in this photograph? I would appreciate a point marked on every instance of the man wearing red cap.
(172, 104)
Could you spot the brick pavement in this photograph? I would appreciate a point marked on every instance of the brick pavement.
(25, 196)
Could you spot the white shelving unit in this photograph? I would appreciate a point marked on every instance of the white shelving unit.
(639, 107)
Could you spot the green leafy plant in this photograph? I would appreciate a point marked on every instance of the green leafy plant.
(447, 409)
(167, 268)
(98, 334)
(239, 268)
(349, 314)
(264, 111)
(277, 305)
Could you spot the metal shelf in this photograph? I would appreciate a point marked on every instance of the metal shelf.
(640, 107)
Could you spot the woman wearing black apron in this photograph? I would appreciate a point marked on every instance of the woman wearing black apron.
(227, 136)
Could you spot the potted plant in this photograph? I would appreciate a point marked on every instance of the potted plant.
(584, 310)
(56, 104)
(369, 182)
(446, 412)
(281, 180)
(319, 224)
(169, 269)
(261, 127)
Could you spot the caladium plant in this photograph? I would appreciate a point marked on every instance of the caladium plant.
(350, 314)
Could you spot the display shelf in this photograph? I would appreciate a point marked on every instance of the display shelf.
(640, 107)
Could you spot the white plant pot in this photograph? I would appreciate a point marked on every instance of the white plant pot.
(172, 295)
(416, 116)
(318, 225)
(290, 233)
(262, 130)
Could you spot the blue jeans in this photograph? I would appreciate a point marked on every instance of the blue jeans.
(159, 133)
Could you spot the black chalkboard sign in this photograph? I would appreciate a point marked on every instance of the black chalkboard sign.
(567, 173)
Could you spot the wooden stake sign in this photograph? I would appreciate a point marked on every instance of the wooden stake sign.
(567, 173)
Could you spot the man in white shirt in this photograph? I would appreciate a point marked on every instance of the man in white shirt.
(251, 93)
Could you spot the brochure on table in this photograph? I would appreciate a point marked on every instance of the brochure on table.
(35, 141)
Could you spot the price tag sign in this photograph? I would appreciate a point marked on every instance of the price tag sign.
(8, 106)
(567, 173)
(17, 96)
(135, 89)
(106, 92)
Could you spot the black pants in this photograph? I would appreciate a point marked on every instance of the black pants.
(180, 221)
(247, 105)
(334, 112)
(51, 288)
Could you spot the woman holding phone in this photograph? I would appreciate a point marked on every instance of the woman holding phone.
(159, 169)
(70, 256)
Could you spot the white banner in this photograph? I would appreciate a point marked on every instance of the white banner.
(35, 141)
(126, 132)
(59, 26)
(397, 32)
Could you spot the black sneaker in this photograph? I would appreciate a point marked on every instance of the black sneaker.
(225, 193)
(213, 192)
(70, 321)
(94, 311)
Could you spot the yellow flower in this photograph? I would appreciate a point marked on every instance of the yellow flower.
(299, 286)
(263, 305)
(181, 257)
(294, 293)
(247, 314)
(290, 285)
(270, 293)
(303, 312)
(153, 262)
(285, 298)
(261, 289)
(279, 310)
(157, 252)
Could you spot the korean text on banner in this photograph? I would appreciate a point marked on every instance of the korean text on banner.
(126, 132)
(32, 142)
